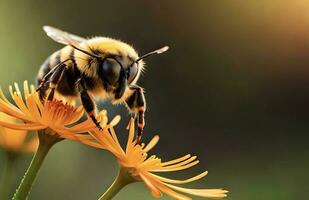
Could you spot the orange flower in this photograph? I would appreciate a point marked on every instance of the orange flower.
(135, 161)
(53, 120)
(55, 117)
(16, 141)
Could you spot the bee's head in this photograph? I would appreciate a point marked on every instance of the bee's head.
(111, 69)
(116, 71)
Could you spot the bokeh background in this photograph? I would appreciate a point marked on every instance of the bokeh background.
(233, 89)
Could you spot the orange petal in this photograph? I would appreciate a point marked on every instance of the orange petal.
(152, 143)
(176, 168)
(153, 189)
(2, 96)
(29, 126)
(185, 162)
(115, 120)
(12, 110)
(131, 135)
(167, 180)
(209, 193)
(172, 193)
(176, 160)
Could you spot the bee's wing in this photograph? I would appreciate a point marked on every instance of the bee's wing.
(62, 36)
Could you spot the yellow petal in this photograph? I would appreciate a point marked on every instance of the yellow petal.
(115, 120)
(167, 180)
(91, 143)
(2, 96)
(151, 163)
(152, 143)
(185, 162)
(30, 126)
(153, 189)
(172, 193)
(12, 110)
(116, 143)
(33, 109)
(176, 160)
(84, 126)
(131, 136)
(106, 141)
(176, 168)
(209, 193)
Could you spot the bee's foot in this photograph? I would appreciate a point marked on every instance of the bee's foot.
(139, 134)
(99, 126)
(138, 140)
(38, 89)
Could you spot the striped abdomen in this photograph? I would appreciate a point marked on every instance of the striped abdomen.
(66, 85)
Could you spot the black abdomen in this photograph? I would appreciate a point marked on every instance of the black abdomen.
(67, 84)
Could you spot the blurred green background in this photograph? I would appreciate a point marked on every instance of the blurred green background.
(233, 89)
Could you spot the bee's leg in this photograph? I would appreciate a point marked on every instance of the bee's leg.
(45, 78)
(137, 104)
(87, 102)
(54, 79)
(42, 90)
(44, 83)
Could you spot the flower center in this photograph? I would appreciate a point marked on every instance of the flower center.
(57, 113)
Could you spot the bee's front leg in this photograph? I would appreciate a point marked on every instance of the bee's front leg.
(137, 104)
(87, 102)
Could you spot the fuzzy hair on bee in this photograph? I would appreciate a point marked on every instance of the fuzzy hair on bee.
(94, 68)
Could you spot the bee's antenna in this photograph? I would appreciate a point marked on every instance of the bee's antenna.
(85, 52)
(158, 51)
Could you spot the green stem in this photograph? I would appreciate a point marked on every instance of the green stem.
(46, 142)
(8, 175)
(122, 179)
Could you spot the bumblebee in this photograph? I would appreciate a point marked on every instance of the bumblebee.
(94, 68)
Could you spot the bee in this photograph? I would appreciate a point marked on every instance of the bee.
(94, 68)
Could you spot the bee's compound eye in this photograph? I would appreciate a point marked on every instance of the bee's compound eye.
(132, 72)
(110, 71)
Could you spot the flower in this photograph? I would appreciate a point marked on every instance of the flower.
(135, 161)
(14, 140)
(55, 117)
